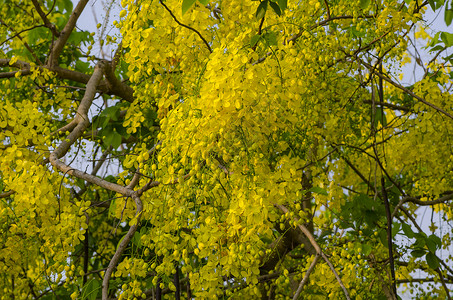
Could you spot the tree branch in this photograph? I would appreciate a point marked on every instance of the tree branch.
(404, 89)
(44, 18)
(447, 197)
(306, 276)
(81, 119)
(6, 194)
(390, 105)
(122, 246)
(65, 33)
(312, 240)
(111, 86)
(185, 26)
(116, 86)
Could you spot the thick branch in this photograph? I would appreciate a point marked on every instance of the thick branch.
(122, 246)
(64, 35)
(111, 86)
(289, 239)
(81, 119)
(6, 194)
(116, 86)
(19, 64)
(389, 235)
(82, 122)
(448, 196)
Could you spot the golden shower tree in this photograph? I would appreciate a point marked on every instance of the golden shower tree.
(225, 149)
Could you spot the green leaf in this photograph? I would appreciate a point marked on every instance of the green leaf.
(407, 230)
(366, 249)
(370, 217)
(283, 4)
(111, 112)
(137, 237)
(204, 2)
(318, 190)
(254, 40)
(113, 139)
(447, 38)
(105, 117)
(112, 208)
(383, 238)
(276, 8)
(395, 229)
(119, 242)
(420, 240)
(364, 3)
(432, 4)
(261, 10)
(78, 37)
(448, 17)
(437, 48)
(356, 33)
(439, 3)
(449, 58)
(271, 38)
(418, 252)
(435, 39)
(37, 33)
(431, 245)
(186, 4)
(90, 289)
(266, 239)
(363, 200)
(82, 66)
(432, 260)
(67, 6)
(380, 118)
(394, 195)
(151, 118)
(61, 22)
(435, 240)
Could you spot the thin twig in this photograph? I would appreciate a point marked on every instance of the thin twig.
(442, 280)
(185, 26)
(327, 10)
(260, 27)
(389, 235)
(390, 105)
(312, 240)
(404, 89)
(46, 21)
(443, 199)
(306, 276)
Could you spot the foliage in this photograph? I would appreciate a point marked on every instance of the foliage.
(226, 149)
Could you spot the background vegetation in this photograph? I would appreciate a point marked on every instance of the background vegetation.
(226, 149)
